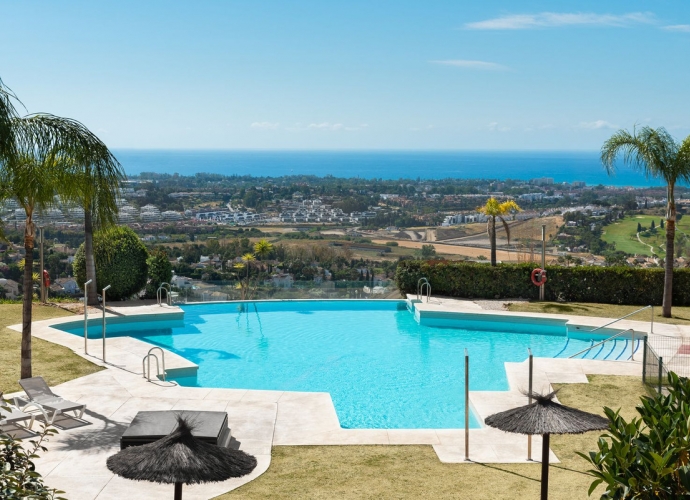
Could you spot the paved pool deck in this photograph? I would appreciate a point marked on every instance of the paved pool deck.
(259, 420)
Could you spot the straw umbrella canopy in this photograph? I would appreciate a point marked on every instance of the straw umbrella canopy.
(180, 458)
(545, 416)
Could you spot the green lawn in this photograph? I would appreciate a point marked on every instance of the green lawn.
(624, 234)
(53, 362)
(680, 315)
(397, 472)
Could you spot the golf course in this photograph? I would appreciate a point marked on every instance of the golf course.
(624, 233)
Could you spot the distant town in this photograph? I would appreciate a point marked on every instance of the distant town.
(206, 222)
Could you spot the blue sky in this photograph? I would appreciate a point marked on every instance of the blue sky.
(352, 75)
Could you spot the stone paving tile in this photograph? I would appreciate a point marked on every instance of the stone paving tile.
(226, 394)
(413, 436)
(567, 378)
(82, 488)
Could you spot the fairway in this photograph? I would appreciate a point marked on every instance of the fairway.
(624, 234)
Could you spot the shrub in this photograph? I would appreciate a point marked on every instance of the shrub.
(391, 243)
(18, 476)
(160, 271)
(120, 262)
(607, 285)
(648, 456)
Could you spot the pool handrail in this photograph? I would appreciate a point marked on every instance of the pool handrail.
(651, 321)
(148, 358)
(159, 294)
(420, 289)
(604, 341)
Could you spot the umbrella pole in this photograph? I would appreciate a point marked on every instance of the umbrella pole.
(178, 491)
(545, 467)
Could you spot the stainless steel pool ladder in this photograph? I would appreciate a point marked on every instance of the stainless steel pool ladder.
(159, 294)
(613, 337)
(147, 374)
(423, 282)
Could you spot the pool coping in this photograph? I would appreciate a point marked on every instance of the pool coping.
(283, 418)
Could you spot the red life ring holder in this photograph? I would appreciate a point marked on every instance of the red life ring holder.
(538, 277)
(46, 278)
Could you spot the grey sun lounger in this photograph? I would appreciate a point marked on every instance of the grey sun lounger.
(39, 393)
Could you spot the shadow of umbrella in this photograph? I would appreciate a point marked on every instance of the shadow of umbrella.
(545, 417)
(180, 458)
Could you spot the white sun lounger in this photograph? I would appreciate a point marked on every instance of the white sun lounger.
(11, 415)
(39, 393)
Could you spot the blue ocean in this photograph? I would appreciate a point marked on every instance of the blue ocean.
(563, 166)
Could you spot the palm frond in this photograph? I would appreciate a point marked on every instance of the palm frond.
(91, 174)
(683, 161)
(7, 113)
(651, 151)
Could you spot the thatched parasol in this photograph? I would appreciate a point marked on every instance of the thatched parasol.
(180, 458)
(546, 417)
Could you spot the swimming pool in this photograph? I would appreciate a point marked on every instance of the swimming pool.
(382, 368)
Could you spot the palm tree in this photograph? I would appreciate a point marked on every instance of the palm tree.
(38, 155)
(96, 177)
(496, 210)
(657, 154)
(262, 248)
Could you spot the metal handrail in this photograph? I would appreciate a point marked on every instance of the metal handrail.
(604, 341)
(420, 288)
(628, 315)
(148, 358)
(159, 294)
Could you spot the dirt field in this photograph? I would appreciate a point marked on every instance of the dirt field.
(456, 250)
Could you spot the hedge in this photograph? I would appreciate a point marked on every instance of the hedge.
(120, 262)
(606, 285)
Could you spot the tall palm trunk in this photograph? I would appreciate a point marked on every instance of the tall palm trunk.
(668, 262)
(28, 298)
(90, 261)
(492, 238)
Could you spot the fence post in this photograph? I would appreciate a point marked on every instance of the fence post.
(467, 406)
(529, 396)
(661, 366)
(644, 359)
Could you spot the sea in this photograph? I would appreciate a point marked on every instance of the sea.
(562, 166)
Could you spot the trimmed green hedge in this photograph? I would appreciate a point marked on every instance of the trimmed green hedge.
(120, 262)
(606, 285)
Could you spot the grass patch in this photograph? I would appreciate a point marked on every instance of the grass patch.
(355, 472)
(624, 234)
(55, 363)
(681, 315)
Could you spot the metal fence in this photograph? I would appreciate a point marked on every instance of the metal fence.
(215, 291)
(664, 354)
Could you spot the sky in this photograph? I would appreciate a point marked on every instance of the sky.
(352, 74)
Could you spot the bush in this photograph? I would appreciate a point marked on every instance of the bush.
(648, 456)
(18, 476)
(391, 243)
(120, 262)
(606, 285)
(160, 271)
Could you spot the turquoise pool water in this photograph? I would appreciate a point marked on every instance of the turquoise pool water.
(382, 368)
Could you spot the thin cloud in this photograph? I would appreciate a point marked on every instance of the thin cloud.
(470, 64)
(326, 126)
(683, 28)
(496, 127)
(597, 124)
(299, 127)
(265, 125)
(554, 19)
